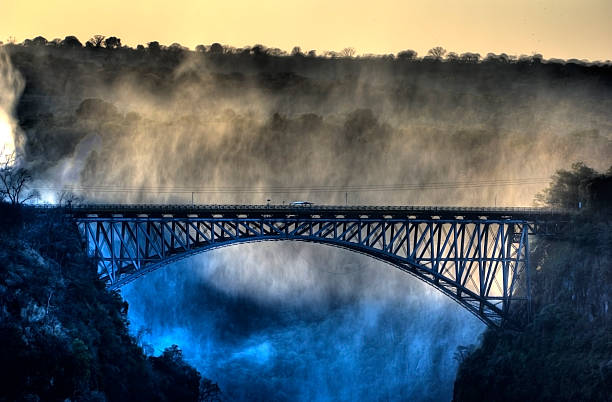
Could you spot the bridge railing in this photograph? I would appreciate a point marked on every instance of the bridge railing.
(354, 208)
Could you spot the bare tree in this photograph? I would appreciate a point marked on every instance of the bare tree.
(14, 182)
(96, 40)
(437, 52)
(67, 197)
(348, 52)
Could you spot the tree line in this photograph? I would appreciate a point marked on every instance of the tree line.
(435, 54)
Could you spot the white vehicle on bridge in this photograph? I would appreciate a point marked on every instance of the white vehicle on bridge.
(301, 203)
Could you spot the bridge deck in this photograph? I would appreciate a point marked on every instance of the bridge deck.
(322, 211)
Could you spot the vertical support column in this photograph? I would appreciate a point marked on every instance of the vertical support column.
(137, 239)
(163, 239)
(384, 235)
(456, 248)
(461, 260)
(112, 248)
(479, 247)
(483, 247)
(528, 272)
(432, 248)
(506, 264)
(439, 249)
(124, 252)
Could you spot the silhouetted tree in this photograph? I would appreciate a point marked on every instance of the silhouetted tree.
(296, 51)
(437, 52)
(96, 41)
(66, 197)
(407, 55)
(215, 48)
(330, 53)
(154, 48)
(177, 48)
(180, 382)
(497, 59)
(470, 57)
(276, 52)
(39, 41)
(580, 186)
(209, 391)
(452, 57)
(14, 182)
(112, 42)
(71, 42)
(348, 52)
(258, 50)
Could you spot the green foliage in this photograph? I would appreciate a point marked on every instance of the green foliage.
(62, 334)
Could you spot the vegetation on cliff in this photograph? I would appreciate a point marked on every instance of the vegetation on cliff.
(565, 351)
(63, 336)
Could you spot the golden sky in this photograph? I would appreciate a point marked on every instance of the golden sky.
(555, 28)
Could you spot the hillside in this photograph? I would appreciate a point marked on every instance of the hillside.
(224, 117)
(565, 351)
(64, 336)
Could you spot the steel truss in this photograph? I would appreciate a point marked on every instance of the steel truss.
(483, 264)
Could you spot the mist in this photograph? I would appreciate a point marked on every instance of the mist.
(11, 86)
(304, 322)
(156, 127)
(296, 321)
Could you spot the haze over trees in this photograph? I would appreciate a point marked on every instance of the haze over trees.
(462, 106)
(112, 122)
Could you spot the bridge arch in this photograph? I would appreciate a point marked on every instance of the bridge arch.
(480, 263)
(466, 298)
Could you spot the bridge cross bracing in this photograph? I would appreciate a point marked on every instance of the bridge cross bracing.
(478, 257)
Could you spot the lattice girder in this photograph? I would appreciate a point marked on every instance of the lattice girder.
(480, 263)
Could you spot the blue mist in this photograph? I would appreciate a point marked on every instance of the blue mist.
(292, 321)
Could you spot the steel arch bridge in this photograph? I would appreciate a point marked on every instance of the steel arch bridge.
(477, 256)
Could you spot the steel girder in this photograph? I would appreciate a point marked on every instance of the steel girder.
(482, 264)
